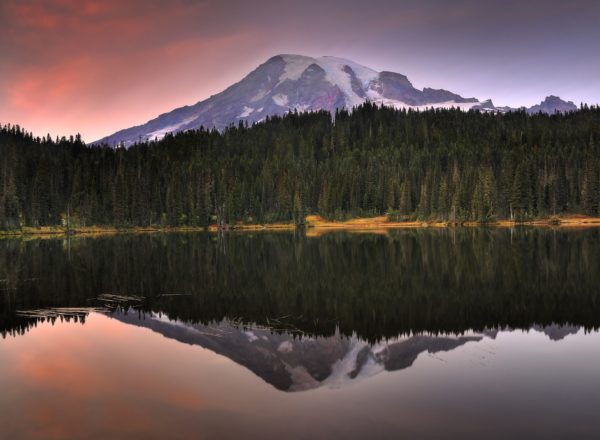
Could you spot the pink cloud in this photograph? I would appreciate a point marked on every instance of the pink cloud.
(95, 67)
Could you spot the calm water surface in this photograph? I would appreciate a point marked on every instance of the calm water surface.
(470, 333)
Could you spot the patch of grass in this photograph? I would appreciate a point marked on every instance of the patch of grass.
(378, 224)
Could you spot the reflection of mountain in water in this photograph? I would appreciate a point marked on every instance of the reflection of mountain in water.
(556, 332)
(292, 363)
(287, 361)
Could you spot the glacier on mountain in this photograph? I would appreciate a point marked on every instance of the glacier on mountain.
(286, 83)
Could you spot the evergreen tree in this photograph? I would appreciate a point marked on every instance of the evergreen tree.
(437, 164)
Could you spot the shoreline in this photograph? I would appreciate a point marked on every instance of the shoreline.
(380, 224)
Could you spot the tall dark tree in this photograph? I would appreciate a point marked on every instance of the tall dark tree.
(438, 164)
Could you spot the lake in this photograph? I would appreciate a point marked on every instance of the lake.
(423, 333)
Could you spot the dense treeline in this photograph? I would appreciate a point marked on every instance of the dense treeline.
(443, 164)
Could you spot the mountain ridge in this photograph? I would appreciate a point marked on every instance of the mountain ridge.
(289, 82)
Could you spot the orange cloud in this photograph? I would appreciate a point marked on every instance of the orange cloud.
(95, 67)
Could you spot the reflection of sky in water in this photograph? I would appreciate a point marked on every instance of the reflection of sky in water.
(109, 379)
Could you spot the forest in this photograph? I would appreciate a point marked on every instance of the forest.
(445, 165)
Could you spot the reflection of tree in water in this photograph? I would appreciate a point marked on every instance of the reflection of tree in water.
(374, 285)
(16, 325)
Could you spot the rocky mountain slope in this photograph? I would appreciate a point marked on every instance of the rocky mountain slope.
(299, 83)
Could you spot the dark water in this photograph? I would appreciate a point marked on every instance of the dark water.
(469, 333)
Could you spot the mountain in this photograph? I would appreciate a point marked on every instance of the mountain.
(294, 82)
(557, 332)
(553, 104)
(297, 363)
(292, 363)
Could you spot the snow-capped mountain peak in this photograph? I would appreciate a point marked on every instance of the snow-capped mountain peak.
(291, 82)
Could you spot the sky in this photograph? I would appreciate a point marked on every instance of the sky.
(94, 67)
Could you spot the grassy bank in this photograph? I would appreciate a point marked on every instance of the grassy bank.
(383, 222)
(315, 225)
(53, 231)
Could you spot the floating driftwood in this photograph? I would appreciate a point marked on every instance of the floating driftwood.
(272, 324)
(110, 302)
(174, 294)
(118, 299)
(58, 312)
